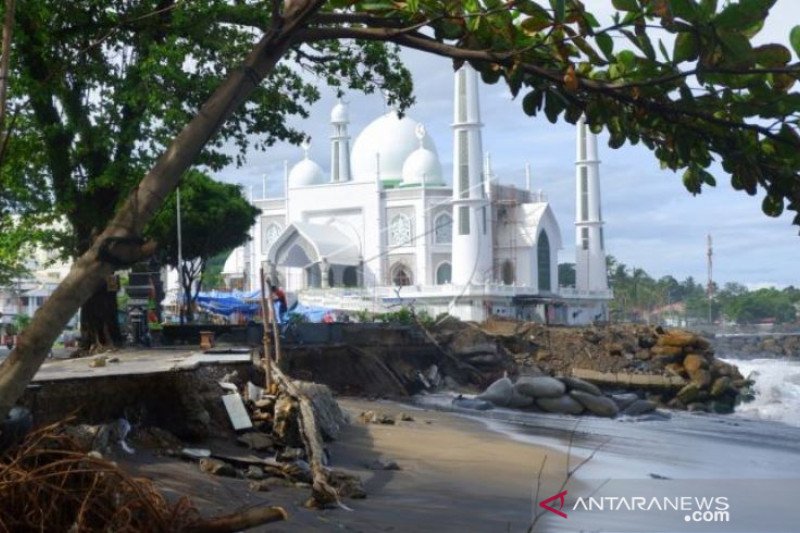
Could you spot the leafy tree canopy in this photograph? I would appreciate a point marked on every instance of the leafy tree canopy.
(712, 96)
(215, 217)
(99, 87)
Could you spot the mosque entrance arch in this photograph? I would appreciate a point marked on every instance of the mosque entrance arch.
(401, 275)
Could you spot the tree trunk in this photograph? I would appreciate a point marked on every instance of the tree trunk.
(90, 270)
(189, 308)
(99, 321)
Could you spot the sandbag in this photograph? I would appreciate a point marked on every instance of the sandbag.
(540, 387)
(597, 405)
(564, 404)
(499, 393)
(579, 384)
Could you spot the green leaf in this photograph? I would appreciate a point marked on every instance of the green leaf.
(532, 102)
(742, 15)
(772, 206)
(685, 9)
(686, 48)
(627, 59)
(692, 180)
(528, 7)
(625, 5)
(663, 50)
(772, 55)
(707, 178)
(559, 10)
(553, 106)
(794, 38)
(536, 23)
(606, 45)
(736, 48)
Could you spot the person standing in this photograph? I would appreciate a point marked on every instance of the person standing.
(279, 296)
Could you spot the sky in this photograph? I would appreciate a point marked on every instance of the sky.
(652, 222)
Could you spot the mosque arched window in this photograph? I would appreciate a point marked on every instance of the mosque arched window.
(443, 229)
(350, 277)
(400, 230)
(401, 275)
(507, 272)
(444, 273)
(543, 261)
(271, 232)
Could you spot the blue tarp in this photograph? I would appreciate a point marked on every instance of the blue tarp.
(247, 304)
(227, 303)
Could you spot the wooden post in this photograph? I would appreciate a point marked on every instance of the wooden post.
(267, 361)
(274, 322)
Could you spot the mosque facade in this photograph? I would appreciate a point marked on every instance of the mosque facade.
(383, 229)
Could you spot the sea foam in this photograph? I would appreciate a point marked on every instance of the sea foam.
(777, 390)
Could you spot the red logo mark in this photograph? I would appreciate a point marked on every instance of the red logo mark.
(560, 497)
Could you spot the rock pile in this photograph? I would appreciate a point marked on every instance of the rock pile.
(669, 368)
(565, 395)
(748, 346)
(712, 385)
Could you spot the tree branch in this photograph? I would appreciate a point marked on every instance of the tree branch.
(423, 43)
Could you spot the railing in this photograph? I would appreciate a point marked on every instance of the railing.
(420, 291)
(572, 293)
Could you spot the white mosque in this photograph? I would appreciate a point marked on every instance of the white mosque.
(383, 229)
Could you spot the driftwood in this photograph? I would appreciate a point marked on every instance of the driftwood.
(654, 381)
(275, 333)
(265, 317)
(322, 492)
(240, 521)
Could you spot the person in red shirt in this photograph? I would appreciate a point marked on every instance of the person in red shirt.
(279, 296)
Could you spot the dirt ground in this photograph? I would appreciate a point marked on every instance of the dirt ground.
(455, 476)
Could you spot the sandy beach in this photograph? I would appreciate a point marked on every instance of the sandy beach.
(456, 475)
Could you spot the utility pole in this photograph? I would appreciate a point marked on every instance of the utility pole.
(180, 256)
(710, 287)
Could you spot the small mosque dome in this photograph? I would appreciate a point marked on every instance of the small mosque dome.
(422, 167)
(306, 172)
(339, 113)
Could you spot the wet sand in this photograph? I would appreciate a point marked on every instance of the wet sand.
(456, 475)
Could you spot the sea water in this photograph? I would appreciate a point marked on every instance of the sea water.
(751, 457)
(777, 390)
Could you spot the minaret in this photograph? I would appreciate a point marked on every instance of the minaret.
(340, 143)
(472, 235)
(590, 255)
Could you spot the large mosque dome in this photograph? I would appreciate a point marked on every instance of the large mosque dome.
(393, 139)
